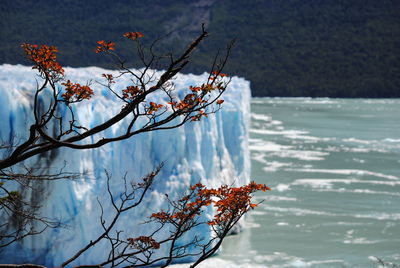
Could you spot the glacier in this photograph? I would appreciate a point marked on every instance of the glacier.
(213, 151)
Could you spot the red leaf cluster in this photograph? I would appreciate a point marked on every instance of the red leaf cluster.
(161, 216)
(153, 107)
(143, 243)
(75, 92)
(234, 201)
(198, 116)
(133, 35)
(45, 59)
(109, 77)
(104, 46)
(189, 101)
(231, 203)
(131, 92)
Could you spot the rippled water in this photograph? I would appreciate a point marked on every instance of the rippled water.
(334, 167)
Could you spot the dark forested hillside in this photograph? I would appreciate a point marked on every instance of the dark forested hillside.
(334, 48)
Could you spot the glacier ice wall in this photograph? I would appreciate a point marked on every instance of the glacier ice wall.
(213, 151)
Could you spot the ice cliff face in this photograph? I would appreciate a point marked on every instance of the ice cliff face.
(213, 151)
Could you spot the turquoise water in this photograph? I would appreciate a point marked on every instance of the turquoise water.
(334, 167)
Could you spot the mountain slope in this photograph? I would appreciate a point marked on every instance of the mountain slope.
(337, 48)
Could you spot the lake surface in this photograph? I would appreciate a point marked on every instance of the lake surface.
(334, 169)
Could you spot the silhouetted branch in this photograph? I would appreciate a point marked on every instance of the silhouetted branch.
(128, 202)
(165, 242)
(145, 83)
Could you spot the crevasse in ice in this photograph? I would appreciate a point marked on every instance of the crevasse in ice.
(213, 151)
